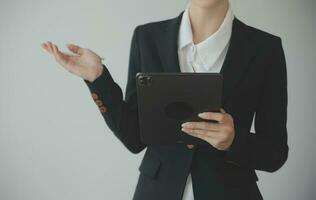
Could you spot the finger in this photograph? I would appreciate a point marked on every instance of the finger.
(75, 49)
(50, 46)
(45, 46)
(212, 116)
(194, 134)
(202, 125)
(58, 55)
(54, 48)
(208, 139)
(222, 110)
(200, 133)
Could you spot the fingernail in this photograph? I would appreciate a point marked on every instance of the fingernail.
(201, 114)
(186, 124)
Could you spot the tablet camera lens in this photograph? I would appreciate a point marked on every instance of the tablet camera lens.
(144, 80)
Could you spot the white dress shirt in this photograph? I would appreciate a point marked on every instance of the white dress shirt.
(206, 56)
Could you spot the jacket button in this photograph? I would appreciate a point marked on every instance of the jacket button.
(94, 96)
(102, 109)
(98, 102)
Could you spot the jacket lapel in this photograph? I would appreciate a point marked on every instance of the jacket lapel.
(240, 52)
(167, 43)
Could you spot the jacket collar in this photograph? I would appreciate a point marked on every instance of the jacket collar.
(240, 52)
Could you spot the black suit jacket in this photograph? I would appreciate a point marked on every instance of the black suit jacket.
(255, 84)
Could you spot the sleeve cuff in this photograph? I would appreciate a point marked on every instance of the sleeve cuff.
(105, 79)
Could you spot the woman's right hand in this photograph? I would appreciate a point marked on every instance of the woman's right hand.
(85, 63)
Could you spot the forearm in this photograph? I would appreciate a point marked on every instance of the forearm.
(120, 116)
(256, 151)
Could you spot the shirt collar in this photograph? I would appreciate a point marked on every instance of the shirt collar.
(185, 31)
(218, 40)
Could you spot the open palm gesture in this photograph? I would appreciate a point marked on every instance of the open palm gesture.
(84, 63)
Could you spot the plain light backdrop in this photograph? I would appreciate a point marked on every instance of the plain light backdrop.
(54, 143)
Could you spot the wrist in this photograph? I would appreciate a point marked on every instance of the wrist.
(98, 73)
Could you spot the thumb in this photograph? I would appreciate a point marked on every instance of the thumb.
(75, 49)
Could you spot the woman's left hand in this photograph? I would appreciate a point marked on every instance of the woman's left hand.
(219, 135)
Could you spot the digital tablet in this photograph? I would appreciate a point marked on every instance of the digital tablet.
(166, 100)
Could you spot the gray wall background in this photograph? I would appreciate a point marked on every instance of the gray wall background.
(54, 144)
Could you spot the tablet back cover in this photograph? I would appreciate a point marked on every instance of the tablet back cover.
(166, 100)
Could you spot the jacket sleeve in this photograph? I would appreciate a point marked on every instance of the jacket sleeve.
(267, 149)
(120, 115)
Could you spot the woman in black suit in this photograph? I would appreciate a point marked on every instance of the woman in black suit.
(255, 82)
